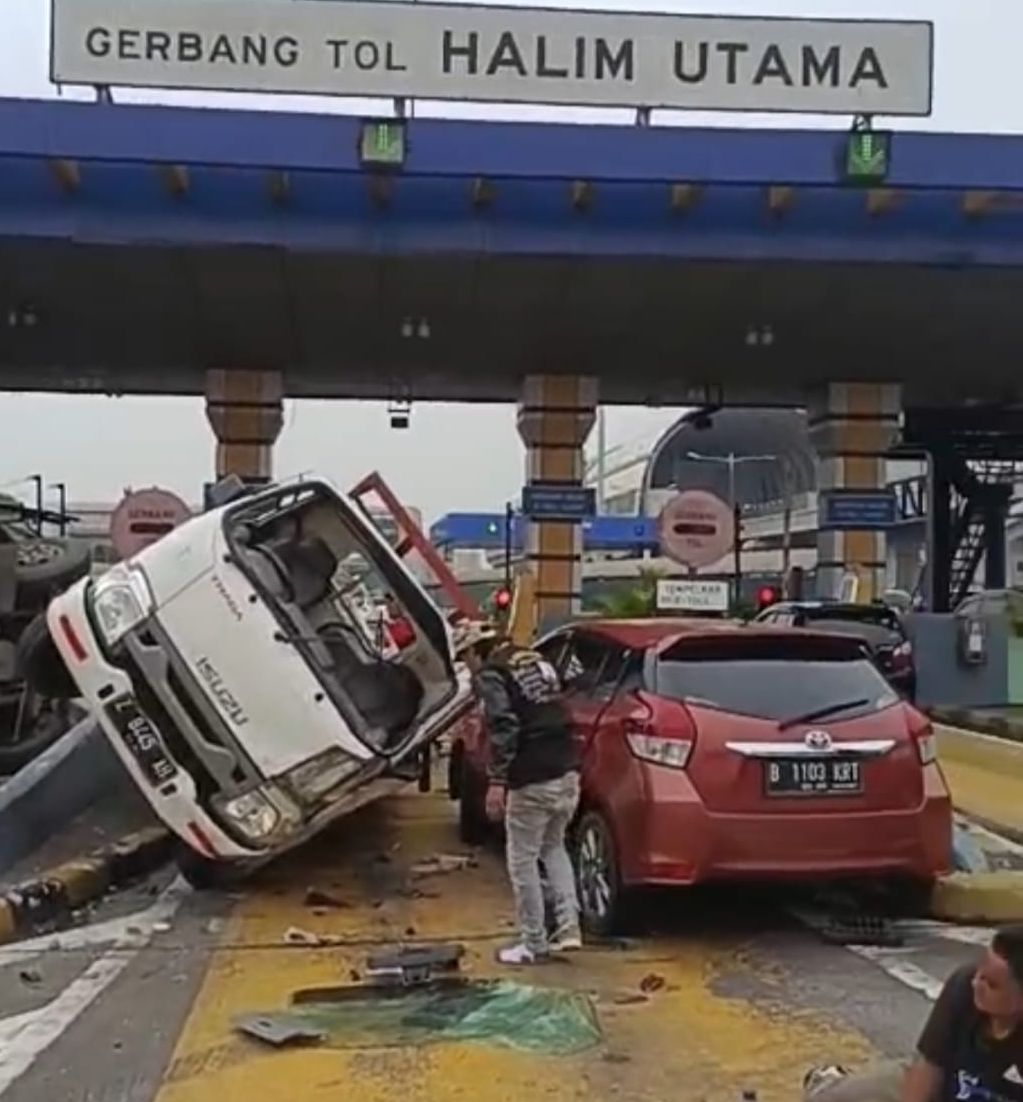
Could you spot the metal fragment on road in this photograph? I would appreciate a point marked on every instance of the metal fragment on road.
(278, 1029)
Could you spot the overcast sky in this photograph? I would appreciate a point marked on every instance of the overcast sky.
(451, 458)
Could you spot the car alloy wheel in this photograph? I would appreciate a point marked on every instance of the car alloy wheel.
(597, 874)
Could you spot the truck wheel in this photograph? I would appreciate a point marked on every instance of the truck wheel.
(474, 829)
(39, 664)
(38, 732)
(200, 872)
(46, 565)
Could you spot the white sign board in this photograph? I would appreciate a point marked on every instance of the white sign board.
(511, 55)
(691, 595)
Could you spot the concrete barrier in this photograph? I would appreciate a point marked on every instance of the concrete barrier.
(980, 897)
(70, 776)
(985, 774)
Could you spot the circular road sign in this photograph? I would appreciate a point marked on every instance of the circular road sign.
(142, 517)
(696, 528)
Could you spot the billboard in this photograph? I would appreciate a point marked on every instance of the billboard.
(498, 54)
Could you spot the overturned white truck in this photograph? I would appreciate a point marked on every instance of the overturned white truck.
(263, 669)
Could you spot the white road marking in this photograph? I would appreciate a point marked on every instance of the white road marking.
(127, 929)
(25, 1037)
(900, 969)
(892, 960)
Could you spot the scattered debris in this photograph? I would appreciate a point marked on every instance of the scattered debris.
(443, 863)
(650, 983)
(630, 998)
(30, 977)
(616, 1058)
(316, 898)
(452, 1009)
(415, 964)
(161, 927)
(410, 931)
(279, 1029)
(295, 935)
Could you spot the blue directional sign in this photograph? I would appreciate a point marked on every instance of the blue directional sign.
(863, 510)
(555, 501)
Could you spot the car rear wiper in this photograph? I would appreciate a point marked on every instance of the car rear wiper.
(820, 713)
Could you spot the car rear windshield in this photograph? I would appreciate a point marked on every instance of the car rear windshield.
(791, 682)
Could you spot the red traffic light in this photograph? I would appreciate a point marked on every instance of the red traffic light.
(766, 595)
(502, 599)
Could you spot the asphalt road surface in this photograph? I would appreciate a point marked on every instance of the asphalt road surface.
(138, 1003)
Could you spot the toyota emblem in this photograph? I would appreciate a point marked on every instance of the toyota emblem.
(818, 740)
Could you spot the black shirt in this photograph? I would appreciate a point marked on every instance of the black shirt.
(530, 733)
(976, 1067)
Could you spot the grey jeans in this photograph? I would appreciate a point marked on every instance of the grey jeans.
(536, 819)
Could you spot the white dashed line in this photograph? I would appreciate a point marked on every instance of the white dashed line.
(24, 1037)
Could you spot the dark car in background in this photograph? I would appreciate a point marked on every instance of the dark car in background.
(879, 625)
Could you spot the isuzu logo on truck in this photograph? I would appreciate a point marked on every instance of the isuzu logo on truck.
(221, 693)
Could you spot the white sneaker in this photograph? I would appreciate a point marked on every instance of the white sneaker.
(517, 956)
(571, 943)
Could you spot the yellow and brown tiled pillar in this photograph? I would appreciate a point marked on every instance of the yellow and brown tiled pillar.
(245, 409)
(853, 426)
(555, 417)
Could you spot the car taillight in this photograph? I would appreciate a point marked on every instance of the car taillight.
(926, 744)
(658, 749)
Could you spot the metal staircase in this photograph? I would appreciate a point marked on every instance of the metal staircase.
(982, 484)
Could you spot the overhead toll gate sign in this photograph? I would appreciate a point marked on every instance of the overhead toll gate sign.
(498, 54)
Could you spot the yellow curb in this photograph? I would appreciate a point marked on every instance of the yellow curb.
(979, 897)
(83, 880)
(8, 927)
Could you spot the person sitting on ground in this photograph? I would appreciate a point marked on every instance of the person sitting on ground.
(970, 1050)
(533, 786)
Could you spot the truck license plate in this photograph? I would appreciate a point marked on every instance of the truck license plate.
(813, 777)
(142, 740)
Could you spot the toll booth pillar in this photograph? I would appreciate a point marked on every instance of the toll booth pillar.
(245, 409)
(555, 416)
(853, 427)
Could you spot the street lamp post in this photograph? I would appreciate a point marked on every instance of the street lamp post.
(509, 521)
(61, 488)
(732, 461)
(38, 480)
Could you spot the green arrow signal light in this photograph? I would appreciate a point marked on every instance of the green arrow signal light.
(382, 143)
(867, 157)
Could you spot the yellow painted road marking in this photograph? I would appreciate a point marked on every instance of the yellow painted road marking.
(689, 1041)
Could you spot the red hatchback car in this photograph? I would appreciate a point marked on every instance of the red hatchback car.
(718, 752)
